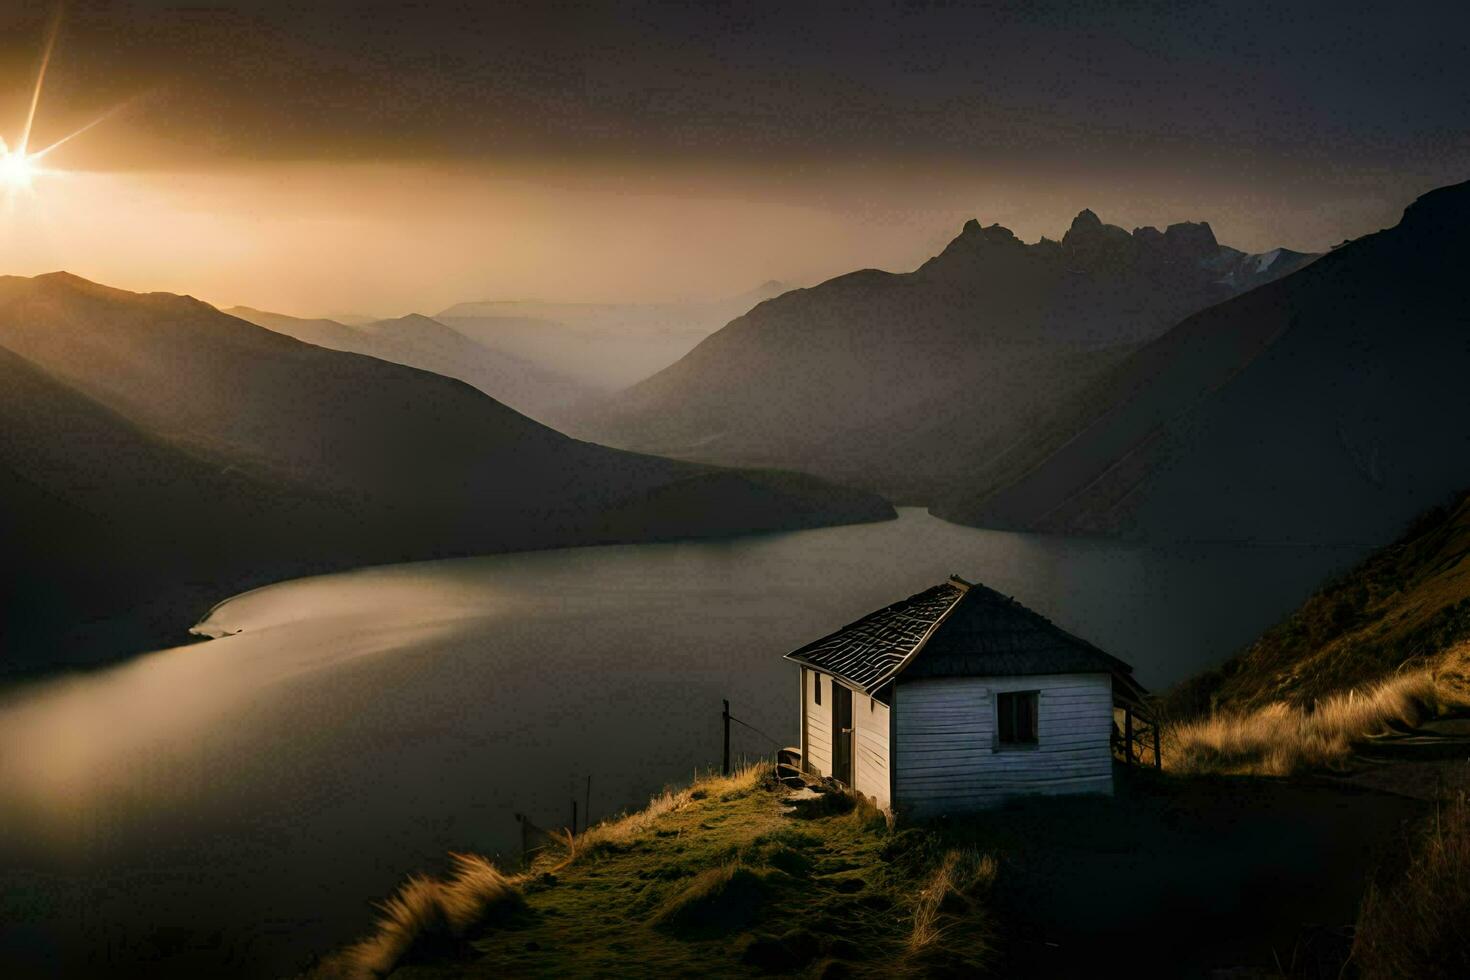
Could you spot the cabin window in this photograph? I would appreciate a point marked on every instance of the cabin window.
(817, 687)
(1015, 717)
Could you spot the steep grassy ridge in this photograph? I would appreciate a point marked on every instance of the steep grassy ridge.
(1398, 610)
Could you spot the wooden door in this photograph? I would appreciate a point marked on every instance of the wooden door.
(842, 733)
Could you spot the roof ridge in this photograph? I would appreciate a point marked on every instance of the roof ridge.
(876, 649)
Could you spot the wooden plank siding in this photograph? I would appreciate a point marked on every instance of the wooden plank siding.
(870, 748)
(817, 739)
(869, 742)
(947, 759)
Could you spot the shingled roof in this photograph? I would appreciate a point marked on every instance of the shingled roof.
(957, 630)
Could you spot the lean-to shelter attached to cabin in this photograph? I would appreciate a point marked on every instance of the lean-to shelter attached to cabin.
(956, 698)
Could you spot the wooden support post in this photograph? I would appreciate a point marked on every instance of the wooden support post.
(574, 816)
(725, 769)
(1128, 736)
(1158, 757)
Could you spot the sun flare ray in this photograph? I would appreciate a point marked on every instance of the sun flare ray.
(25, 134)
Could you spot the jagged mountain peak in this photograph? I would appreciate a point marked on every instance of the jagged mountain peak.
(1086, 218)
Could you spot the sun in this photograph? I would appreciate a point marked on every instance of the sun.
(17, 169)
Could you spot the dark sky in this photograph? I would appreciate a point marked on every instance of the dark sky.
(318, 156)
(1276, 87)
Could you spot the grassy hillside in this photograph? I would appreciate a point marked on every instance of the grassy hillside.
(1398, 610)
(1187, 874)
(719, 878)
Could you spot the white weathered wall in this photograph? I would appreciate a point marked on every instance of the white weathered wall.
(818, 741)
(870, 748)
(946, 759)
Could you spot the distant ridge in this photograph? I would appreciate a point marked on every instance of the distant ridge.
(421, 342)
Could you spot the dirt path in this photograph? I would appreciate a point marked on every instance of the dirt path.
(1418, 763)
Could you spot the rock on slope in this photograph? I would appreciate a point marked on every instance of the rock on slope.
(156, 454)
(1328, 406)
(910, 383)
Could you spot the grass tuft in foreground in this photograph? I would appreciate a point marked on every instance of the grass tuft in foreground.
(964, 876)
(1419, 925)
(430, 919)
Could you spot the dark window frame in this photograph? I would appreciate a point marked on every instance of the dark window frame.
(1017, 720)
(817, 688)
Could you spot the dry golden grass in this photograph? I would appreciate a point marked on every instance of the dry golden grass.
(1280, 739)
(1419, 926)
(961, 875)
(428, 913)
(619, 830)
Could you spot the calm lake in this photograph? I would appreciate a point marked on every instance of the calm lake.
(229, 808)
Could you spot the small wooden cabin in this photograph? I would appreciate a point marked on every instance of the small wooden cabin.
(957, 698)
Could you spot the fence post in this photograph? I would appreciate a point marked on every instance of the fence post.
(725, 769)
(1128, 736)
(574, 816)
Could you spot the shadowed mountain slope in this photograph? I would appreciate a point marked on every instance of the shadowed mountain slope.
(156, 454)
(1328, 406)
(421, 342)
(910, 383)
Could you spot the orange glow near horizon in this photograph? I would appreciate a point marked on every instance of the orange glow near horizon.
(384, 239)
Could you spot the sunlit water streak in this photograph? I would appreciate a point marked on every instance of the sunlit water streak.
(232, 806)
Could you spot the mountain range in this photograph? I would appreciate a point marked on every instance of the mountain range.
(157, 455)
(422, 342)
(1327, 406)
(911, 384)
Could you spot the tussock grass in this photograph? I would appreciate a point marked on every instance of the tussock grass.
(962, 873)
(1281, 739)
(429, 918)
(1419, 926)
